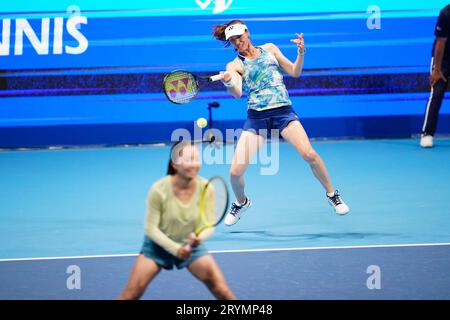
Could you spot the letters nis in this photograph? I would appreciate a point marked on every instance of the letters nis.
(14, 32)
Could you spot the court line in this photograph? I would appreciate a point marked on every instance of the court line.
(242, 251)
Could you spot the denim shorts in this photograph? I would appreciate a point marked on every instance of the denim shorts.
(272, 119)
(166, 260)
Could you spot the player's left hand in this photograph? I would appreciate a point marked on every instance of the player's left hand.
(194, 240)
(300, 43)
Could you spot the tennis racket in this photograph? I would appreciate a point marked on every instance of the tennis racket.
(213, 204)
(182, 86)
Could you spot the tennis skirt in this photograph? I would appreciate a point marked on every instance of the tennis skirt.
(166, 260)
(263, 122)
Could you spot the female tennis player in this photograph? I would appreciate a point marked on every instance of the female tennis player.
(172, 213)
(258, 71)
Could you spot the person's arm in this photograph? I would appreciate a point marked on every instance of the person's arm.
(232, 80)
(293, 69)
(439, 49)
(442, 32)
(154, 204)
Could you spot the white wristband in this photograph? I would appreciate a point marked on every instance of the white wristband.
(229, 84)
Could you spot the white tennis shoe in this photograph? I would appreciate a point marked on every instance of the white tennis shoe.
(236, 211)
(426, 141)
(338, 204)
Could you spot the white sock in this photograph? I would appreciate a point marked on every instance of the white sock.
(330, 194)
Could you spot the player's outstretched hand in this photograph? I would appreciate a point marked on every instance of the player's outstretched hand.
(300, 43)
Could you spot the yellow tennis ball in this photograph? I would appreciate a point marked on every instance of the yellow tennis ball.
(201, 122)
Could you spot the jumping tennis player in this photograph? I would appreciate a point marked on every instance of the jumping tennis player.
(172, 213)
(258, 70)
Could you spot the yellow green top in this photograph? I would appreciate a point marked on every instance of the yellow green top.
(169, 221)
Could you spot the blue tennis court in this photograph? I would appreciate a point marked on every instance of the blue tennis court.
(85, 208)
(86, 129)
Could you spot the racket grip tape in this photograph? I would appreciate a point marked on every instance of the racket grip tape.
(216, 77)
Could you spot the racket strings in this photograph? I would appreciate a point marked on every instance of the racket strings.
(180, 87)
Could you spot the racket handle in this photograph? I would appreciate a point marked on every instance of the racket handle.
(216, 77)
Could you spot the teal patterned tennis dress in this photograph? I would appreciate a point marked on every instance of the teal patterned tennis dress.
(269, 106)
(263, 82)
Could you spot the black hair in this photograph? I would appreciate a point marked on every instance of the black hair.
(179, 145)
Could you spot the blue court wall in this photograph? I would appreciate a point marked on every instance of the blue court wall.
(92, 74)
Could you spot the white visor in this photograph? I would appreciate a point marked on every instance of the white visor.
(235, 30)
